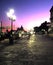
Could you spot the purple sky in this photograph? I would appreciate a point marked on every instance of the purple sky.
(29, 13)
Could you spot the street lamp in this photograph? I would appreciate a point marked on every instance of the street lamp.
(1, 26)
(11, 16)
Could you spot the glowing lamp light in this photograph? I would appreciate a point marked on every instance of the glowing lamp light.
(11, 11)
(14, 17)
(8, 14)
(11, 16)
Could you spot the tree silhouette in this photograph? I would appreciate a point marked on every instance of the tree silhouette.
(44, 26)
(36, 29)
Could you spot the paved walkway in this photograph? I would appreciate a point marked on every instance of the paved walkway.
(38, 50)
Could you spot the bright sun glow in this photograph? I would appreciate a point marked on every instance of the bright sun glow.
(32, 24)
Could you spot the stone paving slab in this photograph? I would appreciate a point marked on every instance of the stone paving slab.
(37, 50)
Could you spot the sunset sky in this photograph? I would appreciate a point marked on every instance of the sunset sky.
(29, 13)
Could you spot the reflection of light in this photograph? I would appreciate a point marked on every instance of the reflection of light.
(31, 41)
(31, 32)
(20, 34)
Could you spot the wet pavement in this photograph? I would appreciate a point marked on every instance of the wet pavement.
(36, 50)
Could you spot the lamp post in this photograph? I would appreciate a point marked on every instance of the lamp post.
(12, 17)
(1, 26)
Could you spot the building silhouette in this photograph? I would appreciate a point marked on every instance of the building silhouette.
(51, 17)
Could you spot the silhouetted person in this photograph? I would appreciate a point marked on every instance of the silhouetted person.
(10, 39)
(10, 36)
(7, 34)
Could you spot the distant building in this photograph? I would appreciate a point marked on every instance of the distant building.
(51, 16)
(20, 31)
